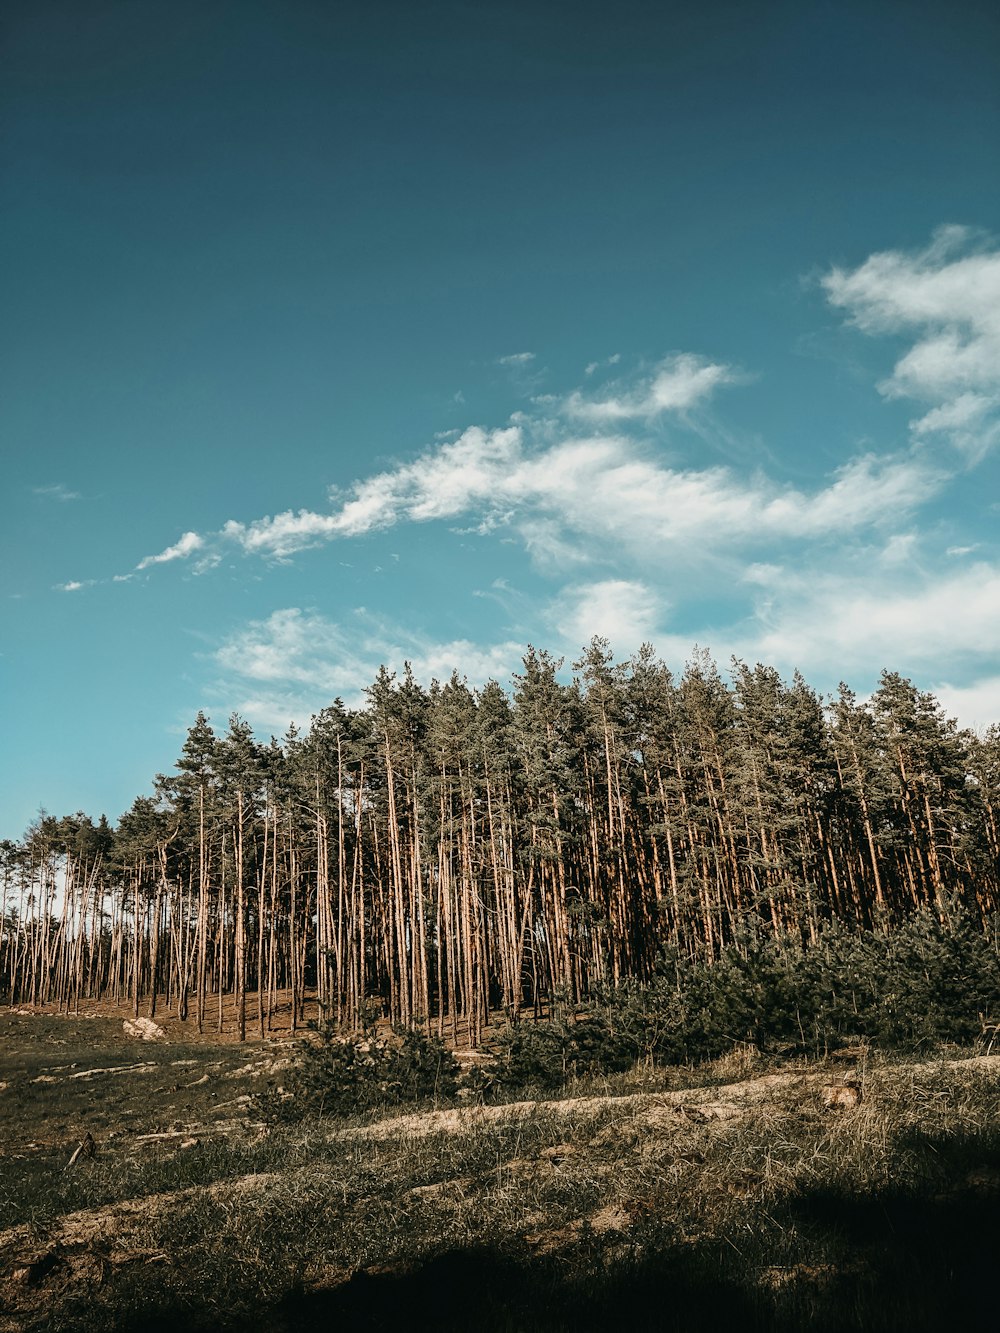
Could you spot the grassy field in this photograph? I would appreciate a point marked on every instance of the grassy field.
(674, 1199)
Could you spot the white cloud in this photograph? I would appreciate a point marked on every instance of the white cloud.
(57, 492)
(597, 365)
(625, 612)
(443, 483)
(602, 489)
(841, 625)
(975, 705)
(680, 383)
(551, 547)
(849, 623)
(297, 661)
(74, 585)
(186, 546)
(900, 549)
(971, 421)
(292, 647)
(948, 295)
(516, 359)
(283, 534)
(762, 573)
(605, 490)
(858, 620)
(571, 498)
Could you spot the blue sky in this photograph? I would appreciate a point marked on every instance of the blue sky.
(336, 334)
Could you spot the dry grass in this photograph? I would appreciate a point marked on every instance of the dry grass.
(747, 1195)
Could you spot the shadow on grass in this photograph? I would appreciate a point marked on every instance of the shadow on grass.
(489, 1290)
(914, 1264)
(893, 1263)
(886, 1264)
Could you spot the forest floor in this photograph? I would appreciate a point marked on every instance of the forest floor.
(855, 1192)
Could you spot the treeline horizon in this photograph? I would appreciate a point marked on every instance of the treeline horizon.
(443, 853)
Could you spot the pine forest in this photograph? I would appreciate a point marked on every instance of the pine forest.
(444, 854)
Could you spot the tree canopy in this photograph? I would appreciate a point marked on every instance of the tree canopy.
(443, 852)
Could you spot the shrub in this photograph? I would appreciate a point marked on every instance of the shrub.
(335, 1075)
(936, 981)
(923, 983)
(544, 1055)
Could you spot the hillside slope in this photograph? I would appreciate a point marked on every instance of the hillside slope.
(860, 1194)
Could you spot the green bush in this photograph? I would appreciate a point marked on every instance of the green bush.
(335, 1075)
(544, 1055)
(935, 982)
(922, 983)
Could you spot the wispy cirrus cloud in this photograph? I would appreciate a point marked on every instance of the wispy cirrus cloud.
(679, 384)
(188, 544)
(948, 296)
(297, 661)
(577, 476)
(602, 489)
(593, 366)
(57, 491)
(444, 483)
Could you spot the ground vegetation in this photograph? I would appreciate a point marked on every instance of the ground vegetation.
(854, 1191)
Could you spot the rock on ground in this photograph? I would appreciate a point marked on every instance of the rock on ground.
(144, 1028)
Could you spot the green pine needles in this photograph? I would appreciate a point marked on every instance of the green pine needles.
(915, 989)
(335, 1075)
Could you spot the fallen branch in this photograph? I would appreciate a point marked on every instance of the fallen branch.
(85, 1148)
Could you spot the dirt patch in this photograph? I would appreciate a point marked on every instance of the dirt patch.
(611, 1218)
(695, 1105)
(220, 1028)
